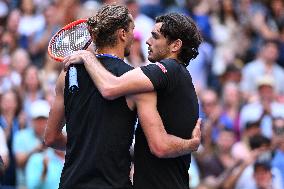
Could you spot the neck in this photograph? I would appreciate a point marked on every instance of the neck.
(115, 51)
(173, 56)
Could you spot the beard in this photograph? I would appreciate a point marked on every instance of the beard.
(154, 58)
(151, 59)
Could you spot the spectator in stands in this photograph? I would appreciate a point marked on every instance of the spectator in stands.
(30, 140)
(217, 165)
(241, 150)
(8, 43)
(263, 64)
(233, 73)
(226, 34)
(264, 108)
(231, 104)
(44, 168)
(261, 150)
(29, 14)
(277, 12)
(278, 142)
(10, 106)
(263, 176)
(211, 109)
(39, 42)
(20, 59)
(31, 89)
(13, 22)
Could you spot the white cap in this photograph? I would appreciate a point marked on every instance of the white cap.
(265, 80)
(40, 108)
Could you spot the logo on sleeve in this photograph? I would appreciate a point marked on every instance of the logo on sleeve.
(163, 68)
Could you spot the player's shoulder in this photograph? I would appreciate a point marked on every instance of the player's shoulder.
(126, 65)
(171, 63)
(123, 67)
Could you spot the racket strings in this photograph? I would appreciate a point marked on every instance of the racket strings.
(68, 41)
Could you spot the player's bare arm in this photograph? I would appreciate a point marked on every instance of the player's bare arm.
(110, 86)
(54, 136)
(162, 144)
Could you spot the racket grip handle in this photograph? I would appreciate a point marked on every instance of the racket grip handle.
(73, 82)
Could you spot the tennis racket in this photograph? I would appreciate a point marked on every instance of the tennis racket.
(72, 37)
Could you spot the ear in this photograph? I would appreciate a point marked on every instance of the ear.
(176, 45)
(122, 34)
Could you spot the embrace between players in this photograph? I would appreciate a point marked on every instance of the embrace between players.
(100, 117)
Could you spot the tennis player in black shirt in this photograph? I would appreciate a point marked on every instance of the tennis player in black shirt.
(100, 131)
(174, 42)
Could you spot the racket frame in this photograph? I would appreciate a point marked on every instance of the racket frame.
(66, 27)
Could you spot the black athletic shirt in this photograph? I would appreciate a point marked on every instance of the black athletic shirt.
(178, 106)
(99, 134)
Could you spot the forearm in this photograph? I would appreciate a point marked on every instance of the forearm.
(104, 80)
(53, 135)
(59, 142)
(161, 144)
(110, 86)
(176, 146)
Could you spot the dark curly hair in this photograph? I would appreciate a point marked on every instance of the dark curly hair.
(177, 26)
(106, 22)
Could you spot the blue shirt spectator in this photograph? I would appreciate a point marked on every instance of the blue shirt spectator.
(43, 169)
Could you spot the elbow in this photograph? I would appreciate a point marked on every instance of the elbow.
(108, 93)
(159, 151)
(111, 90)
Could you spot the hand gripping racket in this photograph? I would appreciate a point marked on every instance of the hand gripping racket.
(72, 37)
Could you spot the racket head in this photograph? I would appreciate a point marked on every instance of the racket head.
(72, 37)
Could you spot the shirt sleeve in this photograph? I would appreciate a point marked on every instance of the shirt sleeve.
(161, 74)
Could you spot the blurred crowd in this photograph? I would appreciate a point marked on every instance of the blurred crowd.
(238, 76)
